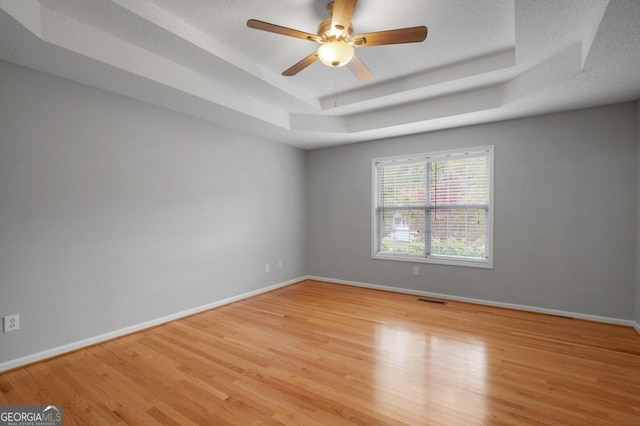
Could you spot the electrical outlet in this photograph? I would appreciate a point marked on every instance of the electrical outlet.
(267, 268)
(280, 264)
(416, 270)
(11, 323)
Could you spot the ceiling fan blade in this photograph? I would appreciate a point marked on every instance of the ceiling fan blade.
(272, 28)
(342, 13)
(401, 35)
(301, 65)
(359, 69)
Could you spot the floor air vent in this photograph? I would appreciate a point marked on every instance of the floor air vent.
(437, 302)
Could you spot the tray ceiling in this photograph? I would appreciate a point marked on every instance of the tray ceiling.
(481, 62)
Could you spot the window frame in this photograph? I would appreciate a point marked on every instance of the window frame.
(434, 259)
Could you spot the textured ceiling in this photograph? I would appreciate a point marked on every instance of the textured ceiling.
(482, 61)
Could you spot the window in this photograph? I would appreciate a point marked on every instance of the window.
(435, 207)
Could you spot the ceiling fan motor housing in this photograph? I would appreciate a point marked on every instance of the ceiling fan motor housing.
(326, 32)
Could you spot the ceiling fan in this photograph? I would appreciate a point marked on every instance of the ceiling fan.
(337, 42)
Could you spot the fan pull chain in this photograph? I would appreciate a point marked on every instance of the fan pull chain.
(335, 87)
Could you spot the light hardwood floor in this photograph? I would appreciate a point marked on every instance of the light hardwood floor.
(319, 353)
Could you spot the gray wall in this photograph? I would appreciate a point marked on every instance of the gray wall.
(637, 299)
(114, 212)
(565, 207)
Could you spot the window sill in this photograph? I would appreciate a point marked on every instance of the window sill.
(450, 261)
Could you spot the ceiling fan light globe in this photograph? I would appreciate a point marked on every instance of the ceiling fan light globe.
(335, 53)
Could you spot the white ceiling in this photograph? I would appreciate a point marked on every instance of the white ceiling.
(482, 61)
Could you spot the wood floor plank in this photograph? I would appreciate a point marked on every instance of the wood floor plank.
(319, 353)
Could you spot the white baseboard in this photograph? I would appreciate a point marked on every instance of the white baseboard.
(18, 362)
(535, 309)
